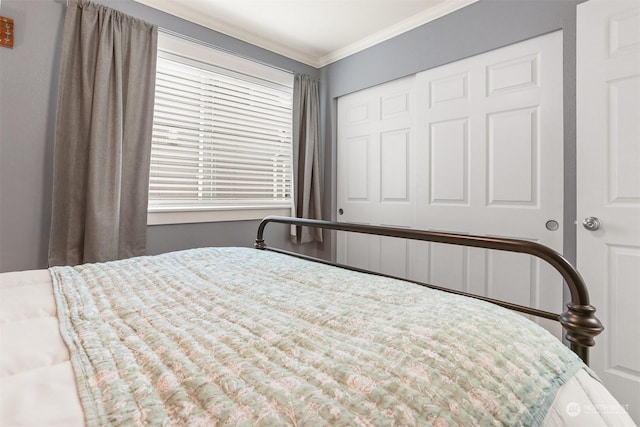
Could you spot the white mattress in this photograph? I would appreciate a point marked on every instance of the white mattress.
(37, 385)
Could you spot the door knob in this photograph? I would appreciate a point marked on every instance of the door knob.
(591, 223)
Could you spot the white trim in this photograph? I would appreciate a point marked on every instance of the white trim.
(180, 10)
(213, 215)
(198, 51)
(415, 21)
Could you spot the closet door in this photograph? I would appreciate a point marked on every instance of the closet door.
(490, 134)
(608, 113)
(472, 147)
(375, 173)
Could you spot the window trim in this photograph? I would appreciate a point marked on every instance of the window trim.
(219, 214)
(234, 65)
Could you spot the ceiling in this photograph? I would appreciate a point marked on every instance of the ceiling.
(314, 32)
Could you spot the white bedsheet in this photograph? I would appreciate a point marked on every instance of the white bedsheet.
(37, 385)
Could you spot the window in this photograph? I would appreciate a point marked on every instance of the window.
(222, 137)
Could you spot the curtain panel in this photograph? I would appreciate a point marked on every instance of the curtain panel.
(103, 136)
(306, 164)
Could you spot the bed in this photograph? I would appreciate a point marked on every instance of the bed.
(239, 336)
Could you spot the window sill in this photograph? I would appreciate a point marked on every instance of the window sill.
(160, 217)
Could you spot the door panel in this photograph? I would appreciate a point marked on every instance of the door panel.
(624, 173)
(393, 256)
(608, 172)
(357, 155)
(512, 158)
(394, 166)
(449, 162)
(448, 266)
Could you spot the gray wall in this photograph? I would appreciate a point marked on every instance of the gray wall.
(478, 28)
(28, 79)
(28, 91)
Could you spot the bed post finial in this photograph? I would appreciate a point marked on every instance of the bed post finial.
(581, 326)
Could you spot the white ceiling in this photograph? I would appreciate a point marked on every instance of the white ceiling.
(315, 32)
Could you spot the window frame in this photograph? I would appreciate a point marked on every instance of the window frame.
(232, 65)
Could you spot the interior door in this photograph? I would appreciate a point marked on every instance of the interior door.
(608, 169)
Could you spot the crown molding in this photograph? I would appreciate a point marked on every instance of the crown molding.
(180, 10)
(401, 27)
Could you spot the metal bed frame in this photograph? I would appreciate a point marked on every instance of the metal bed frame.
(579, 320)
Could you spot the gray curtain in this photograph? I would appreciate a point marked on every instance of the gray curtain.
(103, 136)
(306, 165)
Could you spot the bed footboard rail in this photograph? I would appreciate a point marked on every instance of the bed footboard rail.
(579, 320)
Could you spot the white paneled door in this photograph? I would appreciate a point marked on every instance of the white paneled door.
(608, 167)
(474, 147)
(490, 135)
(376, 140)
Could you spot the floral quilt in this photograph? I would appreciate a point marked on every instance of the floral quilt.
(243, 337)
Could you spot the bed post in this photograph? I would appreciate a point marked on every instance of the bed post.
(581, 326)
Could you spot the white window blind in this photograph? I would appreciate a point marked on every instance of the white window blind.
(221, 137)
